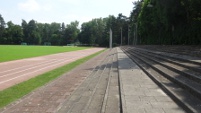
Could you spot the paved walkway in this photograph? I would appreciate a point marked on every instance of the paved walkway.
(139, 93)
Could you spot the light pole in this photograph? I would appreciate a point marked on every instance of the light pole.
(128, 29)
(121, 36)
(128, 34)
(135, 35)
(110, 38)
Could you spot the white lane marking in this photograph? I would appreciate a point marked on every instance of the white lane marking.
(29, 73)
(24, 66)
(36, 67)
(83, 53)
(40, 69)
(29, 59)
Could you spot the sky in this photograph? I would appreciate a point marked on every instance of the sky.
(48, 11)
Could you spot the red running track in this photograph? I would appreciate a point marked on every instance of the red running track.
(14, 72)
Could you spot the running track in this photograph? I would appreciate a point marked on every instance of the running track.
(14, 72)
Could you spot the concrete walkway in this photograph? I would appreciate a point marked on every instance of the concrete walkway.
(139, 94)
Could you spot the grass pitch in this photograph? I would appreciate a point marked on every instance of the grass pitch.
(9, 52)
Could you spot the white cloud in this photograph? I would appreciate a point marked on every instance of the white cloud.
(72, 2)
(80, 18)
(34, 6)
(2, 11)
(29, 6)
(47, 7)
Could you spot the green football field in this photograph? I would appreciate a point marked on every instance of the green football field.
(13, 52)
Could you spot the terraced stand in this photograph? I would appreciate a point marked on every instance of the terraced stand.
(179, 49)
(178, 75)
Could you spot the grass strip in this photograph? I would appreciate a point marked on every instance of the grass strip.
(15, 92)
(15, 52)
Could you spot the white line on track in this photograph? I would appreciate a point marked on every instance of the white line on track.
(37, 67)
(32, 72)
(22, 67)
(14, 72)
(4, 63)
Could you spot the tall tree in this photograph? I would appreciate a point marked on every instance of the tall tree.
(2, 27)
(25, 31)
(56, 34)
(169, 22)
(71, 33)
(13, 33)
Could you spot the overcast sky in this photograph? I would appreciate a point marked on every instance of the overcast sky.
(47, 11)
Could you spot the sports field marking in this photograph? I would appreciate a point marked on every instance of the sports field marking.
(22, 67)
(63, 61)
(30, 73)
(40, 65)
(32, 66)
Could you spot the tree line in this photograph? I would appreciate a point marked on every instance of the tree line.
(150, 22)
(34, 33)
(91, 33)
(169, 22)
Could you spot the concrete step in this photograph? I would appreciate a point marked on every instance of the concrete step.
(182, 63)
(188, 73)
(174, 75)
(164, 77)
(139, 93)
(180, 49)
(184, 58)
(190, 85)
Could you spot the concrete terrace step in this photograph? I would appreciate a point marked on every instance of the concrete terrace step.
(169, 75)
(178, 49)
(190, 74)
(193, 87)
(190, 81)
(139, 93)
(186, 65)
(185, 58)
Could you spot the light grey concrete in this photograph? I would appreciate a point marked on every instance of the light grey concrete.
(139, 93)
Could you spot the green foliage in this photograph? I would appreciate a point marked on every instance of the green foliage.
(96, 31)
(71, 33)
(34, 33)
(92, 32)
(168, 21)
(2, 27)
(12, 34)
